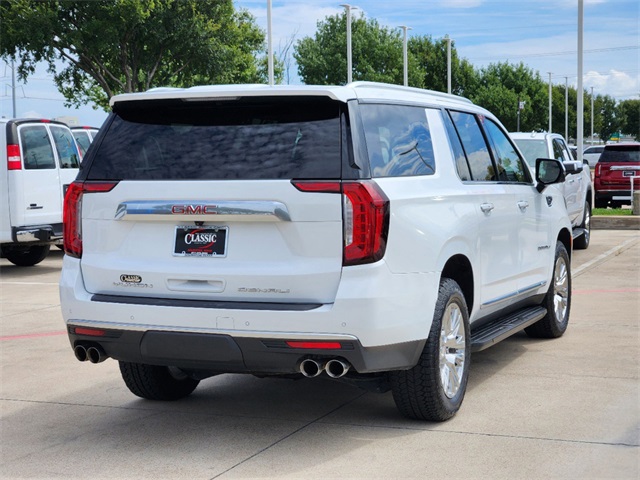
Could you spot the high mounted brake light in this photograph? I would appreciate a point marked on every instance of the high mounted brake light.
(365, 212)
(72, 213)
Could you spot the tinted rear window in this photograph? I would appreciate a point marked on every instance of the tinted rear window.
(621, 153)
(249, 139)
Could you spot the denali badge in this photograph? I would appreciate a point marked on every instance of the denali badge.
(130, 278)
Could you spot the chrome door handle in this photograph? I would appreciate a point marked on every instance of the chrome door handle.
(486, 207)
(523, 205)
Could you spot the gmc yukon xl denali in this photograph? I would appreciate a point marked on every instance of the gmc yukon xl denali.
(372, 233)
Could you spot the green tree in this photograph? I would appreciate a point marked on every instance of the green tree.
(499, 87)
(431, 56)
(629, 115)
(376, 54)
(101, 48)
(605, 121)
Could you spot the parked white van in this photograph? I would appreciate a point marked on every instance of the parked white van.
(40, 160)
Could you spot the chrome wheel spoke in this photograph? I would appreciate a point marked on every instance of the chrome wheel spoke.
(452, 350)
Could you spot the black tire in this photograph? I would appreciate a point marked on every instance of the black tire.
(600, 203)
(27, 257)
(557, 300)
(420, 393)
(156, 383)
(582, 242)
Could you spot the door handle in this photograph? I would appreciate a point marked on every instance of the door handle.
(34, 206)
(523, 205)
(486, 207)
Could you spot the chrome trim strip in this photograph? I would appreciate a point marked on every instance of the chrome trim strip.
(513, 294)
(232, 333)
(204, 209)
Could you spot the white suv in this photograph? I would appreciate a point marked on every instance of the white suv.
(373, 233)
(577, 188)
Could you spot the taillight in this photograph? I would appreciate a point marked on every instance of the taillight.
(365, 211)
(72, 213)
(14, 161)
(366, 222)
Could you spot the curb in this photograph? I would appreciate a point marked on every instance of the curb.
(615, 222)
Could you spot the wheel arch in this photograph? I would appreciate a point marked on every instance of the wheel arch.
(566, 238)
(459, 268)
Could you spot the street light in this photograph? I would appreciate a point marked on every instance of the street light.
(349, 59)
(566, 108)
(404, 54)
(269, 44)
(448, 39)
(580, 91)
(550, 104)
(591, 115)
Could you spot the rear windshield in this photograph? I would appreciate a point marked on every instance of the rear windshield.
(248, 139)
(621, 153)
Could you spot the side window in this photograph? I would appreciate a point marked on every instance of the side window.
(511, 167)
(462, 166)
(558, 150)
(66, 147)
(565, 155)
(36, 148)
(83, 141)
(398, 140)
(474, 146)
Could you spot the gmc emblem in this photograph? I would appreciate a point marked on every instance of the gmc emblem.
(194, 209)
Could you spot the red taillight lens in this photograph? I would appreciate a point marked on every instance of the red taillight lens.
(366, 222)
(14, 161)
(72, 213)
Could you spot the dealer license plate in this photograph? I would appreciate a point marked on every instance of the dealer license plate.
(195, 241)
(628, 173)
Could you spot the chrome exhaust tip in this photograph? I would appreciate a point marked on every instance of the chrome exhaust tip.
(96, 354)
(310, 368)
(81, 353)
(337, 368)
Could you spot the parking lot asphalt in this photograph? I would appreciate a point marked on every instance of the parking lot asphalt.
(564, 408)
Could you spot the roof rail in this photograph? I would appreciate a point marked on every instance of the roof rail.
(389, 86)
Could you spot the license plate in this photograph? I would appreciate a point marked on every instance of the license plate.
(195, 241)
(628, 173)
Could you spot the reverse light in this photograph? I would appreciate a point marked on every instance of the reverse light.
(72, 213)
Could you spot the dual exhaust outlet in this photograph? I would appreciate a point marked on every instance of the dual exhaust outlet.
(335, 368)
(93, 353)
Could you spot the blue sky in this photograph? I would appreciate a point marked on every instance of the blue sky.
(541, 33)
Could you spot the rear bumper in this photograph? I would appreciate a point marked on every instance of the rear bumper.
(381, 320)
(216, 353)
(37, 233)
(622, 194)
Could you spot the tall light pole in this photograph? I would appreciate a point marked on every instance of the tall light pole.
(550, 103)
(405, 60)
(566, 108)
(580, 92)
(349, 58)
(448, 39)
(269, 43)
(591, 115)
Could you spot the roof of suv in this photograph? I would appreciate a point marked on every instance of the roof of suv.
(532, 135)
(361, 90)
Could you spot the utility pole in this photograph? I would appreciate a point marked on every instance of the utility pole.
(405, 60)
(550, 103)
(349, 58)
(13, 87)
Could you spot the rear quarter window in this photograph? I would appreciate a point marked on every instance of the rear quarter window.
(246, 139)
(398, 140)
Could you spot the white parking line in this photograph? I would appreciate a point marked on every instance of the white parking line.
(600, 258)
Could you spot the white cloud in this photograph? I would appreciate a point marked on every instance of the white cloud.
(620, 85)
(462, 3)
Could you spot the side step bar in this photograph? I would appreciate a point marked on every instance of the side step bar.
(578, 232)
(496, 331)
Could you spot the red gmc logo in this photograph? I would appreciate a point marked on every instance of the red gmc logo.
(194, 209)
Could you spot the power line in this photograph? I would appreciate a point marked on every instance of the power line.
(567, 52)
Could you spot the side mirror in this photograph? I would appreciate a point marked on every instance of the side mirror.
(548, 171)
(573, 167)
